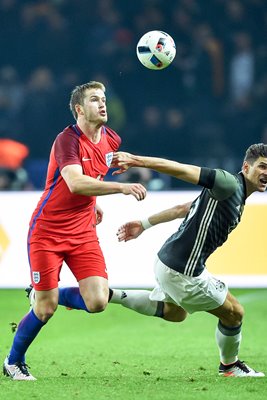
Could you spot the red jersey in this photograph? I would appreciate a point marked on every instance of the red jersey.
(60, 212)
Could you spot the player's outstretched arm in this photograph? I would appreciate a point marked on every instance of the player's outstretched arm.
(78, 183)
(123, 161)
(179, 211)
(131, 230)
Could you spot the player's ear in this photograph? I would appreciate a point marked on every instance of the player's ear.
(79, 109)
(245, 167)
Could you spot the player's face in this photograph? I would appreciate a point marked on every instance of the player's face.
(94, 106)
(256, 174)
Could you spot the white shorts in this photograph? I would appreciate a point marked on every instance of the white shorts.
(192, 293)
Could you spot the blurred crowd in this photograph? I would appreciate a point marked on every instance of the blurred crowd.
(206, 108)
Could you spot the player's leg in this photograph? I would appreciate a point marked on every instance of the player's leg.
(28, 329)
(95, 293)
(228, 331)
(140, 301)
(91, 296)
(87, 264)
(206, 293)
(45, 267)
(228, 337)
(92, 263)
(45, 304)
(69, 297)
(174, 313)
(136, 300)
(14, 364)
(152, 303)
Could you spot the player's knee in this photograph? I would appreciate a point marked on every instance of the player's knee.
(239, 314)
(45, 312)
(96, 305)
(235, 316)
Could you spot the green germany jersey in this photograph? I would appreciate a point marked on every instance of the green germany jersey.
(212, 216)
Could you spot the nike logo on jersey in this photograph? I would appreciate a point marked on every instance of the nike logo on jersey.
(86, 159)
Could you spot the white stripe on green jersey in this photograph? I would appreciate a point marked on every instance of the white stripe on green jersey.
(207, 225)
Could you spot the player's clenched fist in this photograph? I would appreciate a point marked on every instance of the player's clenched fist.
(123, 161)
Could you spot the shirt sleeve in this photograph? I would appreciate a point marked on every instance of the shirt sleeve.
(67, 150)
(207, 177)
(221, 184)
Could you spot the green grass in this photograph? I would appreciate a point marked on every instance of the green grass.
(122, 355)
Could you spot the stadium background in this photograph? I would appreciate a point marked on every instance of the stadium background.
(206, 108)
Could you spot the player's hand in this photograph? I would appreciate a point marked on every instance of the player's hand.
(98, 214)
(130, 230)
(123, 161)
(135, 189)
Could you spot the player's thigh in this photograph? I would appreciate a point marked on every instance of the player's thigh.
(87, 260)
(171, 310)
(45, 263)
(174, 313)
(230, 312)
(94, 287)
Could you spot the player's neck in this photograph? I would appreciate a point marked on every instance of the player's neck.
(91, 131)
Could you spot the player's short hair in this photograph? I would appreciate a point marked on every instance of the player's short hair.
(78, 94)
(255, 151)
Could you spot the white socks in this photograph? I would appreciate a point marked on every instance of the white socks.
(228, 341)
(137, 300)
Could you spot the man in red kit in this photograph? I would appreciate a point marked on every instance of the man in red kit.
(63, 225)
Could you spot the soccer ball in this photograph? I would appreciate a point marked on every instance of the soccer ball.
(156, 50)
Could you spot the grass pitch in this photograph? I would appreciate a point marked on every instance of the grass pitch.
(122, 355)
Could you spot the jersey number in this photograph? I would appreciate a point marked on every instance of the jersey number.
(193, 209)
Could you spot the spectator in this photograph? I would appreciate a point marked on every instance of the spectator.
(38, 112)
(12, 155)
(217, 79)
(242, 68)
(11, 102)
